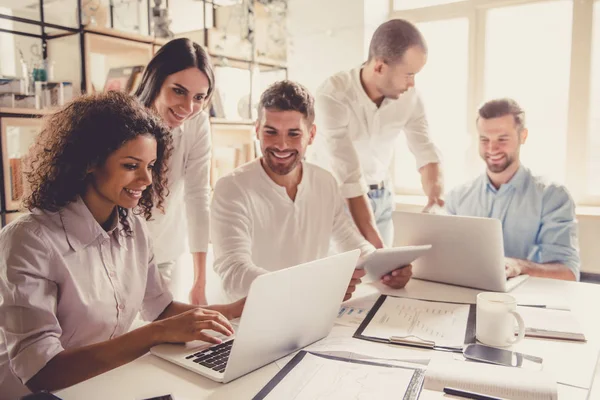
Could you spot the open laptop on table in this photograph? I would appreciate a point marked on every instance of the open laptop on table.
(285, 311)
(466, 251)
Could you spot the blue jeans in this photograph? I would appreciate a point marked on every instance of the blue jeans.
(382, 203)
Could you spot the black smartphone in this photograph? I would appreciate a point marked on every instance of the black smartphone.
(493, 355)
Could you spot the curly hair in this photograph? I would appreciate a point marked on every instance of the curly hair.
(81, 136)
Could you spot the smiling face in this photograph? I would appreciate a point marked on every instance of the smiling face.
(284, 137)
(500, 142)
(182, 96)
(124, 176)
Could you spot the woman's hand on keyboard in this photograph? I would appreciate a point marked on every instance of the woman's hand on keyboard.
(193, 325)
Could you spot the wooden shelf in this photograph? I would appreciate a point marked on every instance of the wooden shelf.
(27, 111)
(261, 61)
(223, 121)
(123, 35)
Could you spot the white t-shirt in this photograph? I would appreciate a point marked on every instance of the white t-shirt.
(256, 227)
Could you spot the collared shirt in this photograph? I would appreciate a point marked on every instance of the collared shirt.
(356, 139)
(188, 202)
(538, 219)
(66, 283)
(256, 227)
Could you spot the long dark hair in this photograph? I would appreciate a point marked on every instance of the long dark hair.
(82, 135)
(177, 55)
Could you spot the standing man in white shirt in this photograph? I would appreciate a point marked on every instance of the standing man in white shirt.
(360, 114)
(278, 210)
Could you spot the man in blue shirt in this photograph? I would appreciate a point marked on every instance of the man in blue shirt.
(538, 218)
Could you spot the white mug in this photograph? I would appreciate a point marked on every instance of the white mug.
(495, 325)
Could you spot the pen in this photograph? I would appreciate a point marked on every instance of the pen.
(560, 308)
(468, 395)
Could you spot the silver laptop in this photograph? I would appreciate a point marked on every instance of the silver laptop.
(466, 251)
(285, 311)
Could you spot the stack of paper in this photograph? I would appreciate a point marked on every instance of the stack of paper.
(548, 323)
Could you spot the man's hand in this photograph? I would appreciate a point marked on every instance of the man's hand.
(398, 278)
(358, 273)
(513, 267)
(198, 294)
(433, 185)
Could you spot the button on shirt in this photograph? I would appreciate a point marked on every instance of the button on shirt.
(257, 227)
(356, 139)
(188, 203)
(538, 219)
(66, 283)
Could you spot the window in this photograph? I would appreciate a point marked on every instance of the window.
(593, 167)
(412, 4)
(545, 54)
(527, 51)
(448, 68)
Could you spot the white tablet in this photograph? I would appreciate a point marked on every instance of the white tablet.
(384, 261)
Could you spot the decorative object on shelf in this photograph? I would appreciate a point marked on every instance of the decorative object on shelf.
(14, 100)
(93, 12)
(161, 21)
(123, 78)
(276, 35)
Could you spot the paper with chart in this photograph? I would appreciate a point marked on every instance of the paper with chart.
(319, 378)
(444, 324)
(353, 312)
(340, 343)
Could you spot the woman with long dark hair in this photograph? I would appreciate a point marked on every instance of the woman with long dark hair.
(177, 84)
(76, 270)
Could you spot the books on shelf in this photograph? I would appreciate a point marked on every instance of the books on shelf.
(16, 178)
(123, 79)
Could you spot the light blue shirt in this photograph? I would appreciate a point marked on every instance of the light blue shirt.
(538, 219)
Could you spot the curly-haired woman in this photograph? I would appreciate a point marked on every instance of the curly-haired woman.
(76, 270)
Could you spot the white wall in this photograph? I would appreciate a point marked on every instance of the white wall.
(327, 37)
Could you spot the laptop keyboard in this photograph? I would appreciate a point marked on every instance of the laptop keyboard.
(215, 357)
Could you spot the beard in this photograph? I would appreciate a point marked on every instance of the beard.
(497, 168)
(281, 166)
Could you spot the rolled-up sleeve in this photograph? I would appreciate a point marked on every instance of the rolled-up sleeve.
(197, 184)
(29, 300)
(417, 137)
(332, 125)
(231, 233)
(557, 240)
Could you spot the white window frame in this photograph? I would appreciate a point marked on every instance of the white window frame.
(578, 115)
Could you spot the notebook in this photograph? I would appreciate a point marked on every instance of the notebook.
(491, 380)
(552, 324)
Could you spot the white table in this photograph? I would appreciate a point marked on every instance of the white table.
(150, 376)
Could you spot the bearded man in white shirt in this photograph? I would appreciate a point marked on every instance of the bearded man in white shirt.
(278, 210)
(361, 113)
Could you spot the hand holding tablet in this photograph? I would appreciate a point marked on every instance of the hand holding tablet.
(384, 261)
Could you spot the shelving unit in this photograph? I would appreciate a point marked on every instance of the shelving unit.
(83, 54)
